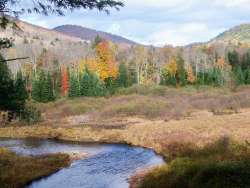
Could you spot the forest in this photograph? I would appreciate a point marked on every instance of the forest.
(109, 69)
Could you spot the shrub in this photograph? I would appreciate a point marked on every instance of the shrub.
(31, 114)
(218, 165)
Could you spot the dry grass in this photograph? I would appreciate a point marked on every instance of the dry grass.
(155, 102)
(18, 171)
(221, 164)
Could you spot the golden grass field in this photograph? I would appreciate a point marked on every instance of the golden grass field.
(149, 118)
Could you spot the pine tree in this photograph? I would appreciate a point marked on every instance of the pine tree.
(247, 76)
(123, 76)
(6, 87)
(20, 92)
(85, 83)
(49, 85)
(233, 58)
(239, 75)
(181, 75)
(97, 88)
(74, 87)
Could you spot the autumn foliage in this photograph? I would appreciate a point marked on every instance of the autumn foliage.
(107, 65)
(65, 81)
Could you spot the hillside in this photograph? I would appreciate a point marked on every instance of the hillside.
(30, 40)
(235, 35)
(90, 34)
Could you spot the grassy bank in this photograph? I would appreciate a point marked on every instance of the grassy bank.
(18, 171)
(218, 165)
(156, 102)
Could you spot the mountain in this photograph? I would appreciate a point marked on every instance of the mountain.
(31, 40)
(90, 34)
(235, 35)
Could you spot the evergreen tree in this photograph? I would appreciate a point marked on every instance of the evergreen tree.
(239, 75)
(58, 83)
(181, 75)
(42, 87)
(233, 58)
(97, 88)
(49, 85)
(36, 88)
(247, 77)
(85, 83)
(74, 87)
(123, 76)
(20, 92)
(6, 87)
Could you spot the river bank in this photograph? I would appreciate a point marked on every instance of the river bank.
(200, 128)
(18, 171)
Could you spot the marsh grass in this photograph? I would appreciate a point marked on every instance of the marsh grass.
(218, 165)
(152, 102)
(18, 171)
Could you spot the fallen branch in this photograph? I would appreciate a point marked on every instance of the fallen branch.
(20, 58)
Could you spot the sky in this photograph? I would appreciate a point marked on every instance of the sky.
(159, 22)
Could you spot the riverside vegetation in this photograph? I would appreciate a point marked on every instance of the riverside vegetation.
(18, 171)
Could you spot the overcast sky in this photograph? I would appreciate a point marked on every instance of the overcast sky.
(160, 22)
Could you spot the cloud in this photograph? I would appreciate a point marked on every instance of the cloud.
(160, 22)
(183, 34)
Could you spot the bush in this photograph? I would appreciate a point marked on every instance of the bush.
(143, 90)
(218, 165)
(31, 114)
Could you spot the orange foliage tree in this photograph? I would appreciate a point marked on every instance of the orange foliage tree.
(105, 57)
(190, 75)
(65, 81)
(220, 63)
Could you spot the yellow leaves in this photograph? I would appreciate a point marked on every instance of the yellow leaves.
(190, 75)
(103, 64)
(171, 67)
(106, 64)
(90, 63)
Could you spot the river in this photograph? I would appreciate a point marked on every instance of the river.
(108, 165)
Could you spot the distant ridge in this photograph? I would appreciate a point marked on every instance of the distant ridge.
(237, 34)
(90, 34)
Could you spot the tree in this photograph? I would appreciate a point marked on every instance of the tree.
(20, 92)
(233, 58)
(42, 87)
(84, 83)
(55, 6)
(123, 76)
(6, 87)
(91, 85)
(65, 82)
(181, 75)
(239, 75)
(107, 66)
(96, 41)
(74, 86)
(190, 75)
(13, 94)
(169, 73)
(48, 87)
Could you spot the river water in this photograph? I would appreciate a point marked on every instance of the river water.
(108, 165)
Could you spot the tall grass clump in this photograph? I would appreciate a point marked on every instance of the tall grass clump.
(223, 164)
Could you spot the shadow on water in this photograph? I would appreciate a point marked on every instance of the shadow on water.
(109, 165)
